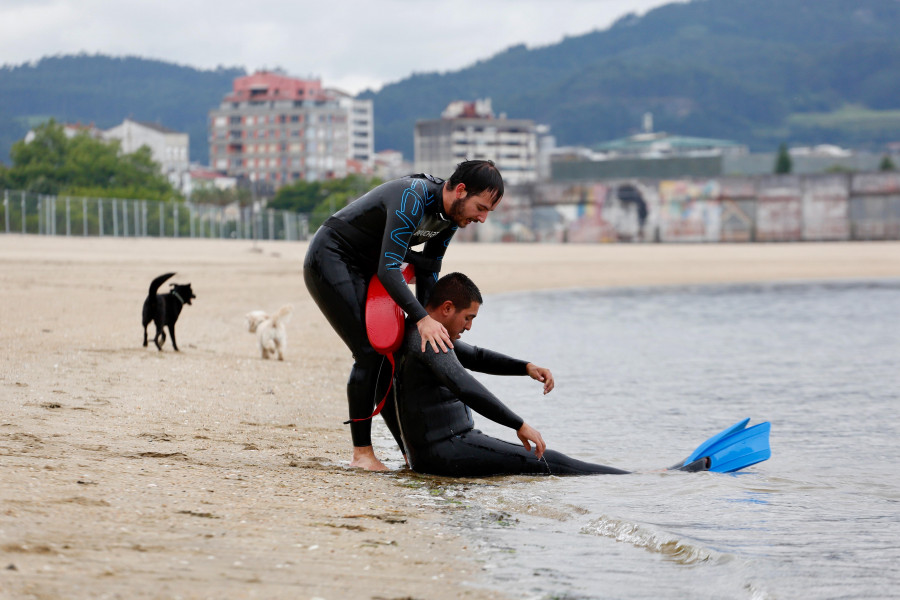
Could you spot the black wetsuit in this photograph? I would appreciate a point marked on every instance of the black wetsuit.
(372, 235)
(434, 394)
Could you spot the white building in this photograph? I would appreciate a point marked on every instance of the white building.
(202, 178)
(469, 131)
(389, 164)
(361, 124)
(169, 148)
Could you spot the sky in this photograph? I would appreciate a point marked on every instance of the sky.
(348, 44)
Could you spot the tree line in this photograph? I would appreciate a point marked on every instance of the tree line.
(55, 164)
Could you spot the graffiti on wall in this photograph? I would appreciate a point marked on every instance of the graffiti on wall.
(782, 208)
(690, 211)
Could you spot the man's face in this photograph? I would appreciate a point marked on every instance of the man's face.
(469, 208)
(460, 320)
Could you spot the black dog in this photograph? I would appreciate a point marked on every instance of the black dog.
(163, 309)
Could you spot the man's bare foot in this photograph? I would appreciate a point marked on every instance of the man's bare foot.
(364, 458)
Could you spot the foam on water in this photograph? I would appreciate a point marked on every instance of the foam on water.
(671, 547)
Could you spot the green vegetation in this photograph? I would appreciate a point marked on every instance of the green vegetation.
(887, 164)
(734, 69)
(214, 196)
(754, 71)
(851, 117)
(83, 166)
(783, 163)
(321, 198)
(104, 90)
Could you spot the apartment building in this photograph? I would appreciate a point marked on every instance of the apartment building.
(276, 129)
(469, 130)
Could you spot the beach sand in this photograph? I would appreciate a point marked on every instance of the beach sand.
(210, 473)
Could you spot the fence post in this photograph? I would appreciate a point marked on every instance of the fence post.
(6, 208)
(23, 212)
(84, 218)
(162, 221)
(68, 217)
(175, 218)
(100, 214)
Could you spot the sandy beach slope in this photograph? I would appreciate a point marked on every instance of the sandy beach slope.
(210, 473)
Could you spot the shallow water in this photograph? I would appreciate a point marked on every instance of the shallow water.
(645, 375)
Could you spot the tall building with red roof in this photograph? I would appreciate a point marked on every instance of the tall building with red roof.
(276, 129)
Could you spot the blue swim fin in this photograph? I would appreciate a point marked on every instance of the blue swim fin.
(731, 449)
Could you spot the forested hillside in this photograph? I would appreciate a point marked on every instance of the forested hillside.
(105, 90)
(738, 69)
(757, 71)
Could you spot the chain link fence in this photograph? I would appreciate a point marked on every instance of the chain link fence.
(28, 213)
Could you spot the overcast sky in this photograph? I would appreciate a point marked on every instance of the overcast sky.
(349, 44)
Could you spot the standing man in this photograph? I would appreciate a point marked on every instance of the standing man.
(373, 235)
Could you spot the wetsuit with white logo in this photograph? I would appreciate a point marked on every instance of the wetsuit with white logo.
(373, 235)
(435, 394)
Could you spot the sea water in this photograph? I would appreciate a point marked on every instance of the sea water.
(642, 377)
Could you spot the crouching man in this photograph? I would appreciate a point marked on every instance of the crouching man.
(435, 394)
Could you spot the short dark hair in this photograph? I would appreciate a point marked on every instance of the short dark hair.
(457, 288)
(478, 176)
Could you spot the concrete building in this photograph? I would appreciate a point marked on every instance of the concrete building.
(275, 129)
(390, 164)
(202, 178)
(168, 147)
(469, 130)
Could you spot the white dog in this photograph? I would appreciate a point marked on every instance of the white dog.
(270, 330)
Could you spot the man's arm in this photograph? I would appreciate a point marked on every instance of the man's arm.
(403, 214)
(447, 369)
(489, 362)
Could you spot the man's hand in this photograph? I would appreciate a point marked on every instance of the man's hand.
(433, 333)
(541, 374)
(528, 435)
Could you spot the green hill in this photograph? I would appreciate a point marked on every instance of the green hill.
(760, 72)
(738, 69)
(105, 90)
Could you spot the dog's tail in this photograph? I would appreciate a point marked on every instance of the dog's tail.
(283, 315)
(154, 285)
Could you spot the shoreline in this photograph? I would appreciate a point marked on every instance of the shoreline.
(213, 473)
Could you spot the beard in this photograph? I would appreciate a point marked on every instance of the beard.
(457, 209)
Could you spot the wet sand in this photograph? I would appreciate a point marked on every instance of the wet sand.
(131, 473)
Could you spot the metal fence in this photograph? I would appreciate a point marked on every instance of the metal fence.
(785, 208)
(24, 212)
